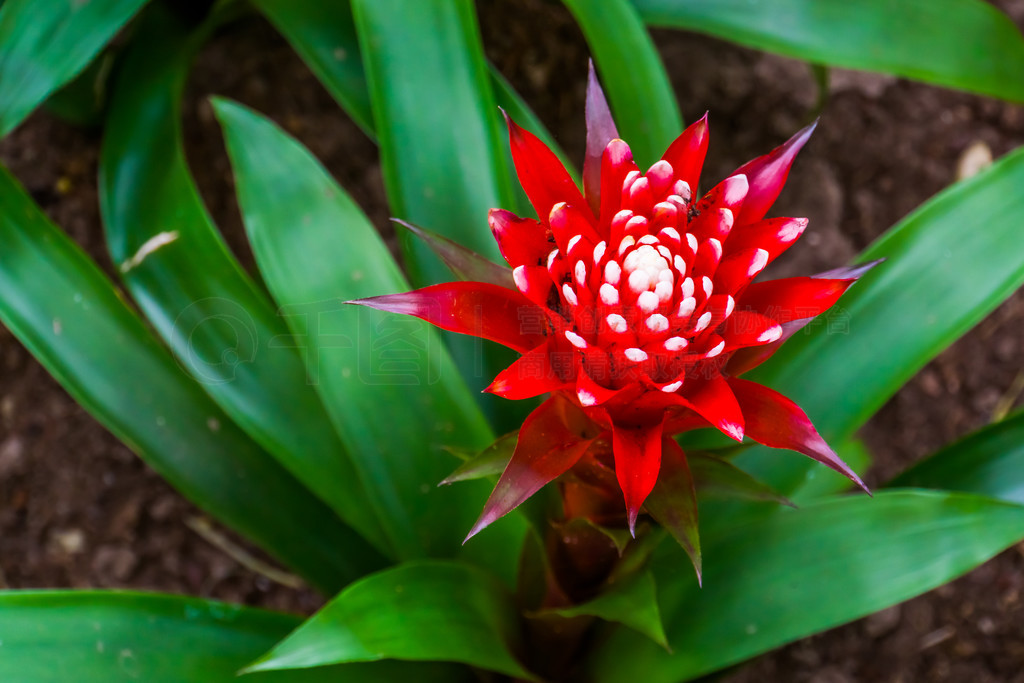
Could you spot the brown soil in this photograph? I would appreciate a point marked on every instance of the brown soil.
(77, 509)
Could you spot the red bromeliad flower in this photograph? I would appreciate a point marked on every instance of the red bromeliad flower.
(633, 306)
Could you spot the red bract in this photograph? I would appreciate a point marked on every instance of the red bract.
(633, 306)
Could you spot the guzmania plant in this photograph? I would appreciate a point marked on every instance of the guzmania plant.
(633, 305)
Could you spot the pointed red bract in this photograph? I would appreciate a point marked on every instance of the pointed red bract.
(531, 375)
(542, 176)
(522, 241)
(774, 235)
(474, 308)
(636, 307)
(746, 359)
(637, 460)
(686, 153)
(792, 298)
(546, 449)
(712, 399)
(767, 174)
(775, 421)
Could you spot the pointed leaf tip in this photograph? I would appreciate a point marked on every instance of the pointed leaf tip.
(673, 502)
(546, 449)
(600, 132)
(767, 175)
(464, 263)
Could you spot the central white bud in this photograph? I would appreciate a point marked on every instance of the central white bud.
(646, 267)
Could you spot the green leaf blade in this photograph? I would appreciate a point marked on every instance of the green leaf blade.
(316, 250)
(69, 315)
(965, 44)
(427, 610)
(632, 602)
(41, 50)
(990, 462)
(223, 330)
(801, 571)
(123, 636)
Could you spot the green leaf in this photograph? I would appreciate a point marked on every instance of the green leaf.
(990, 461)
(487, 463)
(66, 312)
(316, 249)
(938, 281)
(802, 571)
(221, 327)
(427, 611)
(441, 148)
(437, 122)
(464, 264)
(965, 44)
(631, 601)
(42, 48)
(118, 636)
(718, 479)
(324, 35)
(634, 78)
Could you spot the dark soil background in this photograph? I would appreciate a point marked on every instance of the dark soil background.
(77, 509)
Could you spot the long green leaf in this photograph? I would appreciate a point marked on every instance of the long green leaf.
(436, 121)
(803, 571)
(948, 264)
(965, 44)
(109, 637)
(44, 47)
(641, 96)
(317, 249)
(428, 610)
(59, 304)
(632, 602)
(990, 461)
(222, 328)
(442, 149)
(324, 35)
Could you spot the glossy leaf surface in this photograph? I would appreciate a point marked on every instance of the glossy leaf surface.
(718, 479)
(489, 462)
(119, 636)
(323, 33)
(631, 601)
(913, 306)
(222, 328)
(42, 50)
(634, 78)
(801, 571)
(441, 155)
(441, 147)
(965, 44)
(440, 611)
(990, 461)
(66, 312)
(390, 386)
